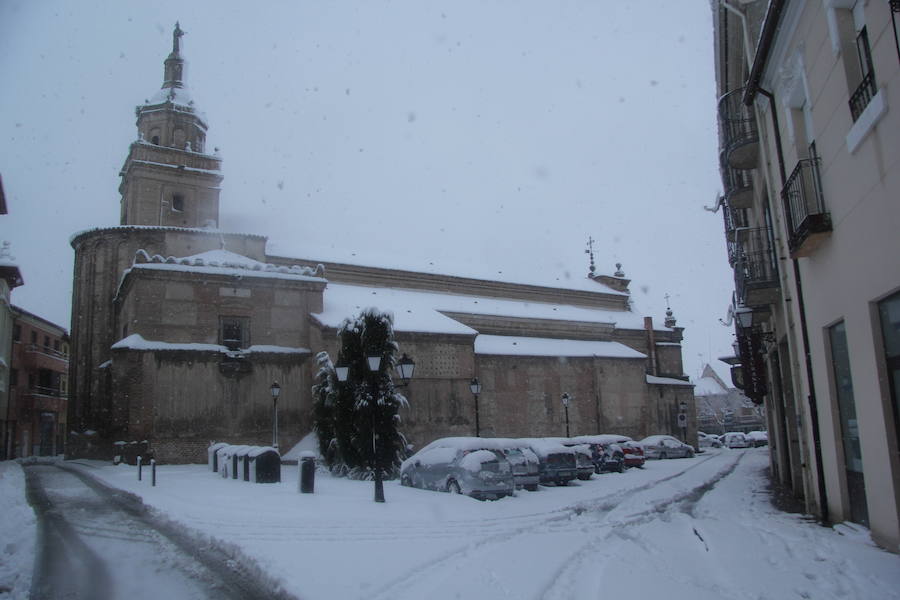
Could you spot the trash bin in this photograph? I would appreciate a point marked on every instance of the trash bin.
(307, 481)
(265, 465)
(212, 453)
(238, 457)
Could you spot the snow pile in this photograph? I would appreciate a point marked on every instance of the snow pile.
(18, 531)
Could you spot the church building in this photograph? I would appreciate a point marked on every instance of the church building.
(179, 329)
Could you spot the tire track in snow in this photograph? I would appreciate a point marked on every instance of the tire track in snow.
(563, 583)
(560, 520)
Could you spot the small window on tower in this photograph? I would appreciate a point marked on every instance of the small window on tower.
(178, 203)
(155, 140)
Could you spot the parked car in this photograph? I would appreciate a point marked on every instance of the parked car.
(666, 446)
(584, 461)
(758, 438)
(460, 465)
(557, 462)
(585, 456)
(735, 439)
(706, 440)
(609, 455)
(524, 462)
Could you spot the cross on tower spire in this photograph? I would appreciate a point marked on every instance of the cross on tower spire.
(590, 251)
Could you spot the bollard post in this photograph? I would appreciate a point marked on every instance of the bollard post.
(307, 480)
(153, 471)
(139, 467)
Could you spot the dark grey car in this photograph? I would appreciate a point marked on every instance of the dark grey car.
(459, 466)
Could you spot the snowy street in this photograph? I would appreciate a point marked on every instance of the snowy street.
(700, 528)
(96, 544)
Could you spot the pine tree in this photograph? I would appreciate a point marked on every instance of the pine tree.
(358, 420)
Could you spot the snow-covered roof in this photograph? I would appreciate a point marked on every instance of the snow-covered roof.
(176, 95)
(654, 380)
(136, 341)
(531, 346)
(206, 230)
(707, 386)
(225, 262)
(423, 311)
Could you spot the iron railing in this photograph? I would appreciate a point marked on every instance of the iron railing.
(735, 218)
(738, 185)
(755, 271)
(740, 135)
(804, 205)
(863, 95)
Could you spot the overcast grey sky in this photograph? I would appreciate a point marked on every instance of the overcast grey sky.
(487, 139)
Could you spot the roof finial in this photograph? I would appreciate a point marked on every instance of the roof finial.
(590, 250)
(619, 272)
(176, 39)
(670, 318)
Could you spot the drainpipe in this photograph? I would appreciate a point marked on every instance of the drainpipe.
(804, 330)
(744, 29)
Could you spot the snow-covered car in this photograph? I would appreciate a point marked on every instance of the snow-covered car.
(736, 439)
(608, 454)
(462, 466)
(558, 463)
(584, 462)
(666, 446)
(587, 456)
(758, 438)
(524, 462)
(705, 440)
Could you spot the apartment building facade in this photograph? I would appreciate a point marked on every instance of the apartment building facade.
(809, 121)
(38, 387)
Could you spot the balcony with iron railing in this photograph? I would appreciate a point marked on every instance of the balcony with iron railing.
(740, 136)
(737, 183)
(808, 224)
(755, 271)
(735, 220)
(862, 96)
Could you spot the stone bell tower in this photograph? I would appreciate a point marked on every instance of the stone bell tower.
(168, 179)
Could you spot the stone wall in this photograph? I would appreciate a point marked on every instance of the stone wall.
(184, 399)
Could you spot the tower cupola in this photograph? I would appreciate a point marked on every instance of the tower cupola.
(168, 179)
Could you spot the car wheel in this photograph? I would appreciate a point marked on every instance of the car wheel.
(620, 468)
(662, 456)
(532, 487)
(453, 487)
(405, 480)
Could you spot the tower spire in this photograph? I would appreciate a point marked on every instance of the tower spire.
(174, 65)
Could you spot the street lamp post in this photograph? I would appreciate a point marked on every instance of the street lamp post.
(475, 387)
(275, 390)
(566, 398)
(405, 369)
